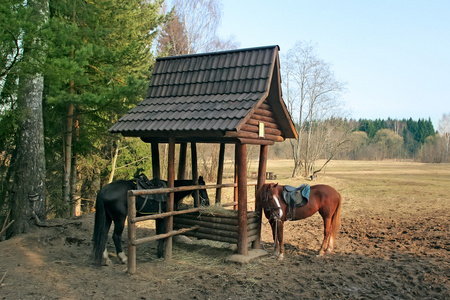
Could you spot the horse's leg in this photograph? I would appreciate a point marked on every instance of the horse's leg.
(159, 230)
(105, 259)
(330, 244)
(326, 235)
(280, 240)
(117, 238)
(273, 225)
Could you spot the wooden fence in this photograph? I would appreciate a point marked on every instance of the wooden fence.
(133, 241)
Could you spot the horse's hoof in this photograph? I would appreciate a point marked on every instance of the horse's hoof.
(123, 258)
(281, 256)
(321, 253)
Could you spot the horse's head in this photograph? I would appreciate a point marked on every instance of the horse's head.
(204, 199)
(269, 198)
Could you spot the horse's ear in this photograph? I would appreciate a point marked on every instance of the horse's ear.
(200, 179)
(275, 185)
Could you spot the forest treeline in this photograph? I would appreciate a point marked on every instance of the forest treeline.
(379, 139)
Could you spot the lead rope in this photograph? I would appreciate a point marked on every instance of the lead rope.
(276, 236)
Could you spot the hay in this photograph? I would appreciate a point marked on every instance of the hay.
(217, 210)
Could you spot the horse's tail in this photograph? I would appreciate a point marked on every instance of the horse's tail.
(100, 235)
(336, 219)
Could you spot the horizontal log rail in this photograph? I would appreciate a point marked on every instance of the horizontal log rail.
(163, 215)
(163, 235)
(184, 188)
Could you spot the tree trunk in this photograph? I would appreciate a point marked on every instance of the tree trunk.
(27, 195)
(76, 202)
(68, 155)
(114, 162)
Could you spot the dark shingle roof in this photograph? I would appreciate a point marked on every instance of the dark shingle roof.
(204, 95)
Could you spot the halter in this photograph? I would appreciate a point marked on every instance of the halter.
(272, 209)
(202, 200)
(274, 216)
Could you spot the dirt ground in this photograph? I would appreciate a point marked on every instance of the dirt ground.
(395, 255)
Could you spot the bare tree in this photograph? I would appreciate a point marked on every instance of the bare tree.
(444, 130)
(311, 93)
(193, 29)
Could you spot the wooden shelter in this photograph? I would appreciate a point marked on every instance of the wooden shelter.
(227, 97)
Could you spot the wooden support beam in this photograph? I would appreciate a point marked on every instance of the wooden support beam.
(220, 173)
(195, 173)
(241, 157)
(155, 160)
(236, 176)
(182, 162)
(170, 202)
(263, 155)
(131, 201)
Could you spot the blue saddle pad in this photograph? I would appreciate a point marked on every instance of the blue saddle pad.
(296, 196)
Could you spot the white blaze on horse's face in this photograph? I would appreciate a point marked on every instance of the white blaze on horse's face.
(278, 205)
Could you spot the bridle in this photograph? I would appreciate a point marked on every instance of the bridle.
(203, 201)
(275, 213)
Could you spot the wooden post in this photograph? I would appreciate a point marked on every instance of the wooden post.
(261, 180)
(131, 233)
(195, 173)
(220, 173)
(155, 160)
(241, 156)
(236, 177)
(169, 205)
(182, 162)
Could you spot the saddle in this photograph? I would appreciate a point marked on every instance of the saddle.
(149, 203)
(296, 196)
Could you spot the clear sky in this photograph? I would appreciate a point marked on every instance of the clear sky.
(394, 55)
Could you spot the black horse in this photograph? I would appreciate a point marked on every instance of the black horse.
(111, 205)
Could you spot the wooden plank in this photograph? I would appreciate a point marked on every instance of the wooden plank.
(200, 235)
(255, 135)
(212, 231)
(266, 124)
(211, 219)
(204, 224)
(163, 215)
(264, 119)
(255, 128)
(265, 105)
(180, 189)
(264, 113)
(164, 235)
(211, 237)
(256, 141)
(213, 225)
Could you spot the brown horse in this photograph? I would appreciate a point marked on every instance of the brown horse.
(323, 198)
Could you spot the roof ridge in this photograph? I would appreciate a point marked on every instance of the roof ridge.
(217, 52)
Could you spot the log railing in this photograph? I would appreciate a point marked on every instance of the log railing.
(133, 241)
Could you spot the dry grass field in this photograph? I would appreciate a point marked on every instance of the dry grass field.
(393, 244)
